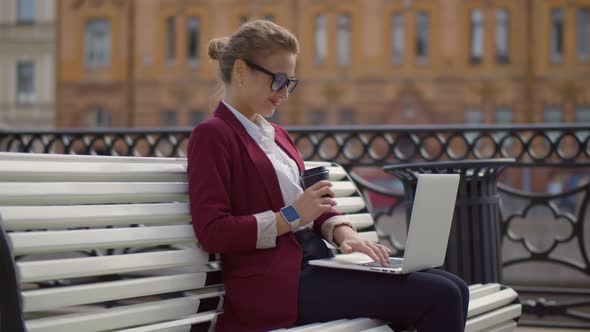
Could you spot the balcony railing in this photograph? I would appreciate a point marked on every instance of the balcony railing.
(545, 222)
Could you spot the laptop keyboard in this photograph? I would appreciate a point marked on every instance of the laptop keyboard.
(393, 263)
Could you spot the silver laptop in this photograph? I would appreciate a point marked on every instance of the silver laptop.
(430, 226)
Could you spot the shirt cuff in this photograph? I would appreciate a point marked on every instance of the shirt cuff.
(329, 225)
(266, 230)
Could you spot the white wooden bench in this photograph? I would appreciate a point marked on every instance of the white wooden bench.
(95, 243)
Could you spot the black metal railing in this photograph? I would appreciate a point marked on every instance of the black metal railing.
(546, 225)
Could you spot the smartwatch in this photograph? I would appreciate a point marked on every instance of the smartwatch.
(291, 216)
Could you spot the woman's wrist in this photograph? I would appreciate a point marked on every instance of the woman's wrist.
(343, 232)
(283, 227)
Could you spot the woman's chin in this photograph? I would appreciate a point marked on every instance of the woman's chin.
(268, 113)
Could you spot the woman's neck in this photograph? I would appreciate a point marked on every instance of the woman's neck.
(240, 106)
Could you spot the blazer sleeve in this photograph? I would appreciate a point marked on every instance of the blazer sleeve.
(319, 221)
(209, 174)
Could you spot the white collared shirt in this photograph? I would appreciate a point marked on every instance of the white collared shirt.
(287, 173)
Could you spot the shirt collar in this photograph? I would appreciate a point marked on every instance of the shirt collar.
(260, 127)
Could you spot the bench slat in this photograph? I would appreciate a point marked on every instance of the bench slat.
(54, 298)
(343, 188)
(349, 204)
(493, 318)
(361, 220)
(503, 327)
(383, 328)
(55, 269)
(120, 317)
(15, 171)
(75, 240)
(491, 302)
(52, 217)
(40, 157)
(484, 290)
(181, 325)
(311, 327)
(353, 325)
(26, 193)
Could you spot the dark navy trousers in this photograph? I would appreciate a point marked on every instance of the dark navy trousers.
(431, 300)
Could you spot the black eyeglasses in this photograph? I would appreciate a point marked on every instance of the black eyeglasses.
(279, 81)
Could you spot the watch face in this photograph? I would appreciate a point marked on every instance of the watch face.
(290, 213)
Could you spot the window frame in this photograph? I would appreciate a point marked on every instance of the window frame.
(397, 32)
(502, 58)
(25, 97)
(320, 39)
(98, 43)
(426, 33)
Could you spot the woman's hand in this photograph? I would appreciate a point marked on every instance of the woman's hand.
(311, 204)
(350, 241)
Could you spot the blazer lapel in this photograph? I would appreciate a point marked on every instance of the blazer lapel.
(263, 165)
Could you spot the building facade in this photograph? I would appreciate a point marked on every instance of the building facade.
(27, 63)
(122, 63)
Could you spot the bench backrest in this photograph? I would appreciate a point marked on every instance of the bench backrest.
(102, 243)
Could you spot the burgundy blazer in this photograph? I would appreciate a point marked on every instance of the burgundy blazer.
(230, 178)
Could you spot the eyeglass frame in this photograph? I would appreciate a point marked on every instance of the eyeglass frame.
(274, 76)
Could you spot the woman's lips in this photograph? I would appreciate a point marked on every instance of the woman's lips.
(274, 103)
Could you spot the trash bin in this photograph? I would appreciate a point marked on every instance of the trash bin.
(474, 249)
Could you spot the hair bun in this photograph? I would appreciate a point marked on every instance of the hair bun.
(216, 46)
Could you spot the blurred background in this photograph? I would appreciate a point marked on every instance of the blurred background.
(381, 82)
(144, 63)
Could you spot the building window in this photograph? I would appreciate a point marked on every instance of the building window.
(317, 118)
(347, 117)
(170, 39)
(504, 115)
(557, 28)
(168, 118)
(344, 40)
(98, 43)
(477, 45)
(25, 75)
(96, 117)
(193, 34)
(502, 36)
(270, 18)
(583, 116)
(422, 35)
(583, 33)
(472, 116)
(321, 39)
(26, 11)
(553, 115)
(397, 38)
(197, 117)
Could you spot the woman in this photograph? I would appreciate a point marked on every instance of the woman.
(247, 205)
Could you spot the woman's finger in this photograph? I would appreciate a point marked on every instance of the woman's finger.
(325, 191)
(385, 251)
(328, 200)
(382, 257)
(345, 248)
(320, 184)
(368, 251)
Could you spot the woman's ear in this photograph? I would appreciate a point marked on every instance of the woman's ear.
(240, 68)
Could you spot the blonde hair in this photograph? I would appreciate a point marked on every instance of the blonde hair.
(252, 40)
